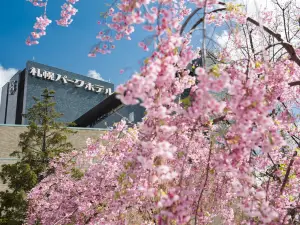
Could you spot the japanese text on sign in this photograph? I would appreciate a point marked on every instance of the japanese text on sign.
(36, 72)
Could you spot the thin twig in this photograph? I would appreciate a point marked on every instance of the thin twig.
(188, 20)
(201, 20)
(205, 182)
(204, 37)
(288, 171)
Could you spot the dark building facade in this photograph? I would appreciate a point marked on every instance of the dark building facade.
(110, 111)
(74, 94)
(86, 101)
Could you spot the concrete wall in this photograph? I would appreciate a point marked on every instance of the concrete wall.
(9, 139)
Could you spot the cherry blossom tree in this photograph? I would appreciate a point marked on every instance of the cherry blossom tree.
(227, 154)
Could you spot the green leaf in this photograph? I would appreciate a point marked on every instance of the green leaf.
(76, 173)
(186, 102)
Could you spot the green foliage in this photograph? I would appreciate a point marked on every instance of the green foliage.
(44, 139)
(76, 173)
(186, 102)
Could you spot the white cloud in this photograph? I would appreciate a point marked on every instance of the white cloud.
(228, 41)
(5, 75)
(94, 74)
(223, 38)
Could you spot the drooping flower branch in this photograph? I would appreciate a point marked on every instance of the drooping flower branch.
(43, 21)
(67, 12)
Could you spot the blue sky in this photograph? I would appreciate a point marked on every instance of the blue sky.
(65, 47)
(62, 47)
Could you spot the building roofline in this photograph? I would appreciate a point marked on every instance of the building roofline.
(75, 128)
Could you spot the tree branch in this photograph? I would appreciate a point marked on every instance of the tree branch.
(295, 83)
(288, 47)
(205, 182)
(188, 20)
(202, 19)
(288, 171)
(191, 16)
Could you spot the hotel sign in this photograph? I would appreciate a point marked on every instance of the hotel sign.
(46, 75)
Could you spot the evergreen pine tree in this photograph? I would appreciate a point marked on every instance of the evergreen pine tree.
(44, 139)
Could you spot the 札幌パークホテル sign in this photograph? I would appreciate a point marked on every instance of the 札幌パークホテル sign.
(47, 75)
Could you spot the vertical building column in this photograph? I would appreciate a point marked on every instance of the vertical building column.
(12, 99)
(3, 107)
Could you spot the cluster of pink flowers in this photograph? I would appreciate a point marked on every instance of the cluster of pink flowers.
(83, 199)
(66, 13)
(40, 3)
(228, 152)
(40, 30)
(42, 22)
(127, 14)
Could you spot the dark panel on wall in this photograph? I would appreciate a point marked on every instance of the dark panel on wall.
(20, 100)
(98, 112)
(131, 113)
(110, 111)
(70, 100)
(12, 99)
(3, 107)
